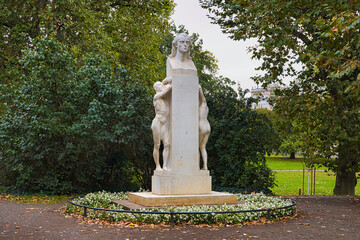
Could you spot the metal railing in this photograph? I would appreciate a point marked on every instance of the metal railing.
(172, 223)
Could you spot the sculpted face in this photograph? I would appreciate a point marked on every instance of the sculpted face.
(159, 87)
(183, 45)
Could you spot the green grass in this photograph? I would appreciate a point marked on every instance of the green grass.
(282, 163)
(285, 163)
(289, 182)
(35, 198)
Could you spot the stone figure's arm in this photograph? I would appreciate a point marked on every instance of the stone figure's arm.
(167, 80)
(163, 93)
(201, 96)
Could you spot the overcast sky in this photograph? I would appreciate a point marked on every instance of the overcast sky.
(234, 61)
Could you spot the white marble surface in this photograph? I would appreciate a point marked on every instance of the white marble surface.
(161, 124)
(187, 128)
(150, 199)
(185, 124)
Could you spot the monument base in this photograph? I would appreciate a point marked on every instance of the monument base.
(153, 200)
(170, 183)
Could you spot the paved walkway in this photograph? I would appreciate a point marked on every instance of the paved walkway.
(317, 218)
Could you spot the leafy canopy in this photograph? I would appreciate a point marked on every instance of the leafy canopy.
(128, 32)
(323, 98)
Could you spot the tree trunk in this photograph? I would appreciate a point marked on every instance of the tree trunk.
(292, 155)
(345, 183)
(345, 172)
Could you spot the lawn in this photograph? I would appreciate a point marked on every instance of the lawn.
(289, 182)
(283, 163)
(35, 198)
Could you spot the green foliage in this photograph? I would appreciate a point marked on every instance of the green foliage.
(271, 132)
(83, 121)
(72, 128)
(236, 146)
(249, 202)
(79, 118)
(290, 144)
(323, 102)
(128, 31)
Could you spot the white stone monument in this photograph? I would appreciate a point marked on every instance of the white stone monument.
(181, 124)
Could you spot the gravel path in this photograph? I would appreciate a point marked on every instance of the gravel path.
(317, 218)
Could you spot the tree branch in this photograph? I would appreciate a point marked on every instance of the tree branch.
(123, 3)
(7, 25)
(302, 37)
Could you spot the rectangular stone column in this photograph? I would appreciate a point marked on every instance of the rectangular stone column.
(185, 176)
(184, 125)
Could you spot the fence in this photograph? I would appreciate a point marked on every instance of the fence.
(268, 210)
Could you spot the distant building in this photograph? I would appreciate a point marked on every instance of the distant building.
(263, 95)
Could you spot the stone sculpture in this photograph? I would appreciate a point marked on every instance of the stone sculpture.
(204, 127)
(181, 124)
(178, 59)
(160, 124)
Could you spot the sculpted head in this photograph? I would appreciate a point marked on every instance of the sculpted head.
(181, 43)
(158, 86)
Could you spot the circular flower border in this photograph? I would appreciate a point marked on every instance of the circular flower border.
(252, 207)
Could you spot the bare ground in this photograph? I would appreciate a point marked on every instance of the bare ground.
(317, 218)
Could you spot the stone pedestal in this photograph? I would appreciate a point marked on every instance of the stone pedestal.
(153, 200)
(169, 182)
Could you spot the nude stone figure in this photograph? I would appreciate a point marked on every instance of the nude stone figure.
(204, 127)
(160, 124)
(178, 60)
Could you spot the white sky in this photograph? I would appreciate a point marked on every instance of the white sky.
(234, 61)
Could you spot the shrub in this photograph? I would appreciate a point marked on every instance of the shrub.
(74, 126)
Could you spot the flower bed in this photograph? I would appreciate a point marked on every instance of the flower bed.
(248, 202)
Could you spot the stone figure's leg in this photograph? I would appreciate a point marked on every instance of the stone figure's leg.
(203, 140)
(166, 142)
(156, 129)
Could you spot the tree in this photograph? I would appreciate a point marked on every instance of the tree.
(83, 127)
(273, 133)
(127, 34)
(128, 31)
(323, 36)
(237, 143)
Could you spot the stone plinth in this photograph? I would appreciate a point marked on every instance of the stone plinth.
(173, 183)
(154, 200)
(184, 122)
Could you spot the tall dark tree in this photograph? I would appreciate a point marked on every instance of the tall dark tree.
(324, 37)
